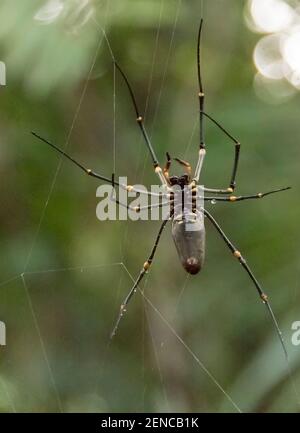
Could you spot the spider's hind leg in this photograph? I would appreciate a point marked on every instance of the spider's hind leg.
(142, 273)
(236, 253)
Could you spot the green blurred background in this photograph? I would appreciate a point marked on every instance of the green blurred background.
(58, 317)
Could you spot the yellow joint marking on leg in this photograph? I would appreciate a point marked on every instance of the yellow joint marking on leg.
(89, 171)
(129, 188)
(139, 119)
(201, 94)
(137, 208)
(232, 198)
(229, 189)
(237, 254)
(264, 297)
(157, 169)
(146, 265)
(259, 195)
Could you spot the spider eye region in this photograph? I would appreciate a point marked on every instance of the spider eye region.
(179, 180)
(183, 180)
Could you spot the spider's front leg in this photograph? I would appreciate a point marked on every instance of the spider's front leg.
(142, 273)
(140, 121)
(236, 253)
(202, 153)
(92, 173)
(202, 114)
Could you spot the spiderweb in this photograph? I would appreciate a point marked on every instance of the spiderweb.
(123, 278)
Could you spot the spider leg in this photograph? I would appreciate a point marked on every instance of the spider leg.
(142, 273)
(166, 169)
(140, 122)
(202, 113)
(91, 172)
(201, 96)
(237, 148)
(236, 253)
(186, 165)
(202, 153)
(218, 191)
(137, 209)
(234, 198)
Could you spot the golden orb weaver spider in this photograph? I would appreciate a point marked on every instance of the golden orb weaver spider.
(190, 244)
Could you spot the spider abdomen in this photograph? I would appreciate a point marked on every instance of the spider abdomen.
(189, 239)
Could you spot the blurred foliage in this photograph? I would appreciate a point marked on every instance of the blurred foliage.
(58, 322)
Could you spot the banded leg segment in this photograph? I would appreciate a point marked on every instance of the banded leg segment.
(233, 198)
(201, 156)
(142, 273)
(236, 253)
(219, 191)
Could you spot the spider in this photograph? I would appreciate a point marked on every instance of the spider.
(190, 243)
